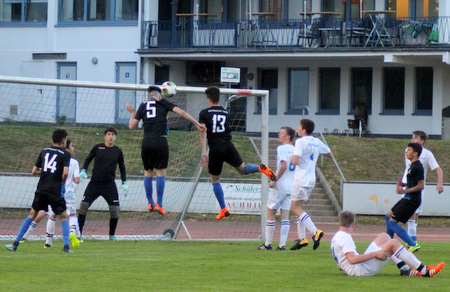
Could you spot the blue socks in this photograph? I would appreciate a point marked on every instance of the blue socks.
(251, 168)
(389, 231)
(23, 229)
(65, 232)
(148, 185)
(217, 188)
(400, 232)
(160, 185)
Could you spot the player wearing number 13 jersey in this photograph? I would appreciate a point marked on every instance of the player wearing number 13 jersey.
(155, 149)
(221, 148)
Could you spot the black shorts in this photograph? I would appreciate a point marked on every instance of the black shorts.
(108, 190)
(155, 153)
(42, 200)
(225, 152)
(404, 209)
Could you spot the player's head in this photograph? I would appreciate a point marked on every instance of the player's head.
(110, 129)
(110, 136)
(213, 94)
(289, 132)
(419, 137)
(413, 148)
(59, 137)
(154, 92)
(346, 219)
(69, 146)
(307, 125)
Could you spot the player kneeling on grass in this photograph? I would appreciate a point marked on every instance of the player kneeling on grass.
(376, 255)
(280, 192)
(221, 148)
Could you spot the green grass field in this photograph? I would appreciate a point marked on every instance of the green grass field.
(200, 266)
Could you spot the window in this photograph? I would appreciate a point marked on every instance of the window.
(298, 95)
(424, 91)
(414, 8)
(98, 10)
(268, 80)
(394, 90)
(23, 11)
(329, 89)
(361, 88)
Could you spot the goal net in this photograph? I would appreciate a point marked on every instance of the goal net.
(31, 109)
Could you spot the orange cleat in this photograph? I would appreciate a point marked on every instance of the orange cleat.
(151, 207)
(268, 172)
(223, 213)
(433, 270)
(159, 209)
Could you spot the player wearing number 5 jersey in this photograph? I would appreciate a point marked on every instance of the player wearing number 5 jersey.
(155, 149)
(221, 148)
(53, 167)
(306, 153)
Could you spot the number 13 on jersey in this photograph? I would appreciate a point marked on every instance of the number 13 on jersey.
(218, 125)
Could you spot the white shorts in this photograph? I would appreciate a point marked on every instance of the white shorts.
(71, 202)
(300, 193)
(372, 266)
(278, 200)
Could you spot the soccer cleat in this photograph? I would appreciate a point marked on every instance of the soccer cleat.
(433, 270)
(268, 172)
(414, 248)
(74, 240)
(159, 209)
(112, 238)
(316, 238)
(11, 247)
(299, 243)
(47, 245)
(66, 250)
(223, 213)
(23, 240)
(281, 248)
(264, 247)
(410, 272)
(151, 207)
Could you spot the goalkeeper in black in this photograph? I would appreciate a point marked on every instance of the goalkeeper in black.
(102, 183)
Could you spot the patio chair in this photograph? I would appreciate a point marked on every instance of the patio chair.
(312, 33)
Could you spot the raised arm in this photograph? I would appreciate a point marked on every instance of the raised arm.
(132, 124)
(188, 117)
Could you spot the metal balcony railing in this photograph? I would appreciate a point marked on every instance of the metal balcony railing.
(369, 32)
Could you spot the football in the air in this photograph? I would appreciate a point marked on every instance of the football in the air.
(169, 89)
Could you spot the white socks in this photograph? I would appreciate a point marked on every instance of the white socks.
(284, 232)
(270, 229)
(50, 230)
(304, 221)
(409, 258)
(73, 223)
(30, 230)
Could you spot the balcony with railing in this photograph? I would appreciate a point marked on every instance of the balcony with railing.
(371, 32)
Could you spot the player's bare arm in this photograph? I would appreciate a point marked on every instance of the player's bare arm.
(36, 170)
(353, 258)
(204, 158)
(65, 173)
(295, 159)
(188, 117)
(132, 124)
(419, 187)
(440, 182)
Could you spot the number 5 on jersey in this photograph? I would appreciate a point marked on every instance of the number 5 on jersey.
(151, 109)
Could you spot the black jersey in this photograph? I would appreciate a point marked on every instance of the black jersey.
(105, 164)
(154, 115)
(52, 161)
(415, 174)
(217, 125)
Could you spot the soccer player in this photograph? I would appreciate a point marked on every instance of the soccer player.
(280, 192)
(155, 150)
(73, 178)
(53, 167)
(221, 148)
(428, 161)
(405, 207)
(306, 152)
(376, 255)
(107, 156)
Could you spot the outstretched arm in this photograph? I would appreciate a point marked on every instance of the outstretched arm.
(188, 117)
(132, 124)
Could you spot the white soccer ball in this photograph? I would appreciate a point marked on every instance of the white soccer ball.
(169, 89)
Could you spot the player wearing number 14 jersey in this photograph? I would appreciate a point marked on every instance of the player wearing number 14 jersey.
(155, 149)
(221, 148)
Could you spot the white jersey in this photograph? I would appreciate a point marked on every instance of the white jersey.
(284, 184)
(74, 171)
(428, 161)
(309, 149)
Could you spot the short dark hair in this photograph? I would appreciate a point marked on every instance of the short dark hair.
(308, 125)
(416, 147)
(346, 218)
(213, 93)
(423, 136)
(59, 135)
(68, 143)
(290, 132)
(154, 88)
(111, 129)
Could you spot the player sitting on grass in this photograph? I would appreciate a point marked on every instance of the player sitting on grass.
(280, 192)
(221, 148)
(407, 206)
(376, 255)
